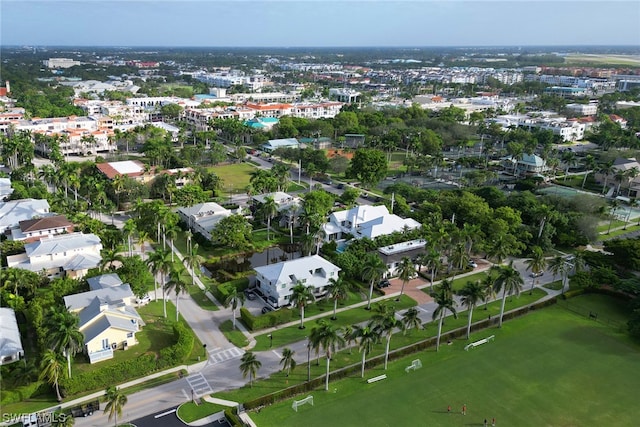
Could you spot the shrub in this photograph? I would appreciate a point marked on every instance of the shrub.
(23, 392)
(272, 318)
(233, 418)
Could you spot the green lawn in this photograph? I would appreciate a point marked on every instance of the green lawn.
(549, 368)
(460, 282)
(190, 412)
(234, 336)
(201, 299)
(235, 177)
(604, 226)
(616, 233)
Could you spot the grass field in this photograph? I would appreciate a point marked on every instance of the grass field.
(603, 59)
(549, 368)
(235, 177)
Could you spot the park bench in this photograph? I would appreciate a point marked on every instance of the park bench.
(480, 342)
(378, 378)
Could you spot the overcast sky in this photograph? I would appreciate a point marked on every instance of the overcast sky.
(278, 23)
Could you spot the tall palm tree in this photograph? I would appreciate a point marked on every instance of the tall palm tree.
(116, 400)
(160, 264)
(192, 259)
(385, 322)
(614, 207)
(559, 267)
(287, 361)
(63, 333)
(410, 320)
(234, 299)
(348, 335)
(328, 337)
(509, 281)
(143, 237)
(300, 296)
(367, 336)
(372, 271)
(129, 229)
(487, 287)
(444, 299)
(431, 260)
(249, 365)
(269, 209)
(52, 370)
(338, 291)
(536, 263)
(406, 270)
(471, 294)
(177, 282)
(171, 232)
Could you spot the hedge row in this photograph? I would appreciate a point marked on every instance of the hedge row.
(270, 319)
(222, 291)
(393, 355)
(126, 370)
(233, 418)
(24, 392)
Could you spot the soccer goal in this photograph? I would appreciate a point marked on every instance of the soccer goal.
(415, 364)
(296, 403)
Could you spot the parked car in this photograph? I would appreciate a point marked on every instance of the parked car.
(340, 186)
(473, 264)
(384, 283)
(266, 309)
(250, 294)
(537, 274)
(144, 300)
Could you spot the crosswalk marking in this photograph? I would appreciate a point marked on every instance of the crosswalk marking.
(218, 355)
(199, 385)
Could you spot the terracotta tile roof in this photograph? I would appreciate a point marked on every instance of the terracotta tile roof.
(45, 223)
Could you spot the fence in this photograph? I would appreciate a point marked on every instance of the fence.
(593, 315)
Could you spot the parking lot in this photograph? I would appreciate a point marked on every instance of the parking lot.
(255, 305)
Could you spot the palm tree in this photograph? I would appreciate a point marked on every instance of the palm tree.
(385, 322)
(509, 281)
(536, 263)
(143, 237)
(406, 270)
(178, 283)
(109, 256)
(63, 333)
(328, 337)
(488, 293)
(559, 267)
(116, 400)
(300, 296)
(614, 207)
(171, 232)
(410, 320)
(52, 370)
(129, 231)
(339, 291)
(472, 294)
(234, 299)
(372, 272)
(192, 260)
(432, 261)
(367, 336)
(347, 334)
(269, 209)
(288, 362)
(160, 264)
(249, 365)
(444, 299)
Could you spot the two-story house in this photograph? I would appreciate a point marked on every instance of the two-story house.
(365, 221)
(203, 217)
(276, 281)
(31, 230)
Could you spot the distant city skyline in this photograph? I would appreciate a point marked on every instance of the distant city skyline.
(314, 23)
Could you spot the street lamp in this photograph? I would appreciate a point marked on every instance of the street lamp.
(270, 340)
(308, 360)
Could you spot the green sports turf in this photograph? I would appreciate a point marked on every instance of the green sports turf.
(550, 368)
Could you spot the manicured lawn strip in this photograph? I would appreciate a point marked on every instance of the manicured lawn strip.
(294, 186)
(234, 336)
(293, 333)
(607, 309)
(605, 226)
(326, 306)
(542, 369)
(189, 411)
(235, 177)
(616, 233)
(556, 286)
(201, 299)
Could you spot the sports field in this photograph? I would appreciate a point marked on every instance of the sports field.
(550, 368)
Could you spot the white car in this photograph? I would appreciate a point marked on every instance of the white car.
(144, 300)
(473, 264)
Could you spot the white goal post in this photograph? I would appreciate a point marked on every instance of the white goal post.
(296, 403)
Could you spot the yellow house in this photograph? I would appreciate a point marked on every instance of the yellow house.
(108, 320)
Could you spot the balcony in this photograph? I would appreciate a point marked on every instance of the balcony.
(98, 356)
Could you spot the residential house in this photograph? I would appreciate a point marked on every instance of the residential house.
(108, 320)
(365, 221)
(132, 168)
(284, 203)
(14, 211)
(182, 176)
(528, 164)
(66, 254)
(11, 349)
(274, 144)
(5, 189)
(275, 281)
(392, 255)
(203, 217)
(625, 174)
(31, 230)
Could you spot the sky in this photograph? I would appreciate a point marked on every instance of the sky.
(319, 23)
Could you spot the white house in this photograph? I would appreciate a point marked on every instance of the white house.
(14, 211)
(529, 164)
(365, 221)
(5, 188)
(11, 349)
(104, 281)
(392, 255)
(108, 320)
(274, 144)
(275, 281)
(203, 217)
(65, 254)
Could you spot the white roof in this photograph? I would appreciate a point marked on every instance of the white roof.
(203, 209)
(10, 342)
(403, 247)
(384, 225)
(61, 243)
(360, 214)
(298, 270)
(112, 295)
(14, 211)
(104, 281)
(126, 167)
(282, 199)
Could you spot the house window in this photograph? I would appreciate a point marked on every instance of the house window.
(130, 335)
